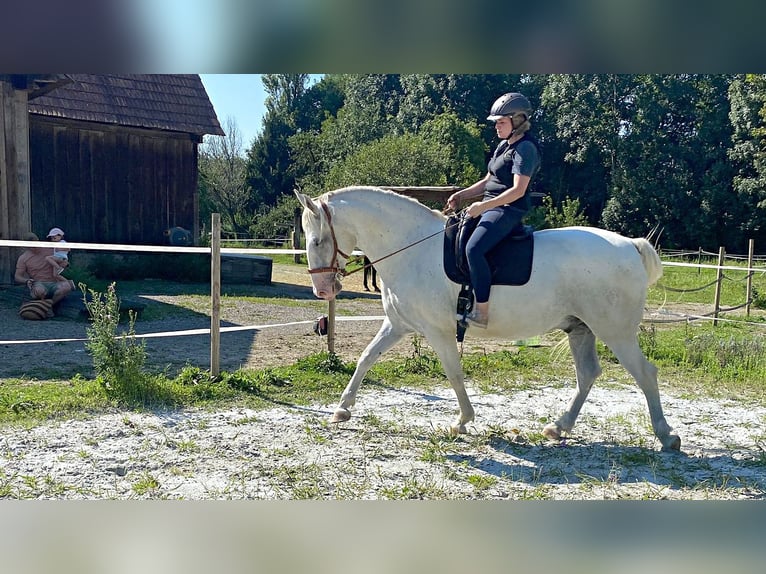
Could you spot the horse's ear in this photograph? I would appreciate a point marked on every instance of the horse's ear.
(307, 202)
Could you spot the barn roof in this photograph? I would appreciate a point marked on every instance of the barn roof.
(173, 102)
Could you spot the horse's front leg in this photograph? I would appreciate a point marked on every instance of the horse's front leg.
(387, 337)
(445, 347)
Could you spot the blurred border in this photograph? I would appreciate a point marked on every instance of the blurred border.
(381, 537)
(397, 36)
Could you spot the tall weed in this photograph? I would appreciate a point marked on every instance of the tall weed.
(118, 359)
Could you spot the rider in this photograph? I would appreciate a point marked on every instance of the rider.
(511, 168)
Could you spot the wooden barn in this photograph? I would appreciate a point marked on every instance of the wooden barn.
(111, 158)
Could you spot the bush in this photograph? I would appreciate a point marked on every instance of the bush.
(275, 222)
(117, 359)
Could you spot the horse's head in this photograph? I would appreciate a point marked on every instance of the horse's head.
(326, 247)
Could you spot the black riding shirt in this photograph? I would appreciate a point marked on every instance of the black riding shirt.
(522, 157)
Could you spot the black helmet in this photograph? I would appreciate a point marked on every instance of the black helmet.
(510, 104)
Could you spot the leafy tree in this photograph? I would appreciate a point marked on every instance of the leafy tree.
(460, 147)
(748, 152)
(275, 221)
(665, 170)
(222, 178)
(582, 115)
(269, 172)
(409, 159)
(627, 152)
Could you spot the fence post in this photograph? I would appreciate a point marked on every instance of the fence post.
(749, 291)
(331, 326)
(719, 280)
(215, 295)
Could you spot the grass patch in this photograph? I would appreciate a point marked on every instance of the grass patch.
(696, 359)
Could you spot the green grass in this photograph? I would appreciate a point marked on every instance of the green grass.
(695, 359)
(691, 280)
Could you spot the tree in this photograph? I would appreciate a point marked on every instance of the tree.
(269, 172)
(748, 152)
(222, 178)
(403, 160)
(671, 169)
(460, 147)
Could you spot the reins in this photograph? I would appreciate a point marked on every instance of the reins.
(335, 267)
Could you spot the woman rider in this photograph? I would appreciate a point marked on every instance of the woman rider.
(510, 170)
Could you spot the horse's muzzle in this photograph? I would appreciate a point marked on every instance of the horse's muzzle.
(326, 285)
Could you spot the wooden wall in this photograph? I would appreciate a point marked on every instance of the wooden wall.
(111, 184)
(15, 219)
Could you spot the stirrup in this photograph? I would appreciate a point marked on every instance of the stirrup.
(474, 321)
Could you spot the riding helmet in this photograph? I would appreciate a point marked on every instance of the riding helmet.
(510, 104)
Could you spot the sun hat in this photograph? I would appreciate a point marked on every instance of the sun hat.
(55, 231)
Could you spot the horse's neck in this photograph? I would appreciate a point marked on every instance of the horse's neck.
(384, 224)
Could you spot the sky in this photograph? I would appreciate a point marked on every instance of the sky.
(241, 97)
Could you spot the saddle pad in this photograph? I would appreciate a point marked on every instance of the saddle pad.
(510, 260)
(36, 309)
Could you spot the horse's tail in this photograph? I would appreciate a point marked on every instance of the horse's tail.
(650, 259)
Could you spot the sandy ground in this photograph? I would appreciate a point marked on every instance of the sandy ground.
(395, 445)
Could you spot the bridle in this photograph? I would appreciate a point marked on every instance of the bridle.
(335, 265)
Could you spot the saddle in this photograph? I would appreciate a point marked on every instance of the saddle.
(510, 260)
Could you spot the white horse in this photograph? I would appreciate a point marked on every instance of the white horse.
(586, 281)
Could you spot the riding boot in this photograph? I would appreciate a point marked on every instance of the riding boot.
(479, 315)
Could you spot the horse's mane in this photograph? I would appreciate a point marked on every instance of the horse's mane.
(365, 189)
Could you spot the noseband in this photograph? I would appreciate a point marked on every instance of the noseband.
(335, 264)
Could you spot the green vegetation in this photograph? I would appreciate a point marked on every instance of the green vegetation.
(697, 359)
(628, 152)
(680, 284)
(694, 357)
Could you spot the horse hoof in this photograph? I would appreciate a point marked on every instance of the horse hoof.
(552, 431)
(340, 415)
(457, 429)
(672, 443)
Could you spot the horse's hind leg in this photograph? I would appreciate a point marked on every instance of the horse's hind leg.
(582, 342)
(386, 338)
(445, 348)
(630, 356)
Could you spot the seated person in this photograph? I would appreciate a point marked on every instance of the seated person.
(34, 270)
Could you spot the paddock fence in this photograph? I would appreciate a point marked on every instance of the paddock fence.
(755, 265)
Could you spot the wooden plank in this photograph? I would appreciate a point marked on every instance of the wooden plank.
(103, 184)
(5, 252)
(20, 214)
(425, 194)
(246, 269)
(14, 173)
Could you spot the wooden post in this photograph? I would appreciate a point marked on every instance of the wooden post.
(331, 327)
(749, 290)
(15, 194)
(719, 280)
(215, 295)
(296, 237)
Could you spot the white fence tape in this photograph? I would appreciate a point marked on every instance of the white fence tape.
(200, 331)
